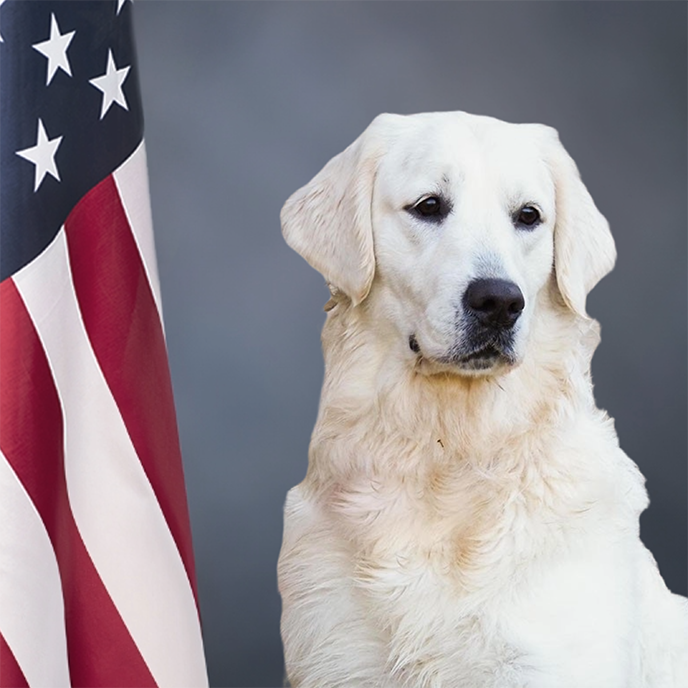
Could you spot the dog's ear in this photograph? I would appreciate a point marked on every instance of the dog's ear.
(328, 221)
(584, 250)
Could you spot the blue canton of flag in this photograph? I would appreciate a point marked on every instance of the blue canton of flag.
(63, 68)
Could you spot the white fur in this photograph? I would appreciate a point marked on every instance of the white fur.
(461, 527)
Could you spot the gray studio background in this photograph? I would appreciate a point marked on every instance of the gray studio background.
(244, 103)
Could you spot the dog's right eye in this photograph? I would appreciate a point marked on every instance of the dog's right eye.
(431, 208)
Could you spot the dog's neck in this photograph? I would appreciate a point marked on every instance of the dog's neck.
(370, 390)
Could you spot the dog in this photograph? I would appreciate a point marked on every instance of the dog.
(467, 518)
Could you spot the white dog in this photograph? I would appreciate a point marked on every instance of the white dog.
(468, 518)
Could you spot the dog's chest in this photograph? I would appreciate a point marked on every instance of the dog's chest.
(468, 529)
(444, 564)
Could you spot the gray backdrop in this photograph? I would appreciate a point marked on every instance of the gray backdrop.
(245, 101)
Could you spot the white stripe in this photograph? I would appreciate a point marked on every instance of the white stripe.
(31, 605)
(113, 502)
(131, 179)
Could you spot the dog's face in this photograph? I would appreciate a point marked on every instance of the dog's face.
(450, 225)
(463, 214)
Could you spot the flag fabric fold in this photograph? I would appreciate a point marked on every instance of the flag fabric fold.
(97, 579)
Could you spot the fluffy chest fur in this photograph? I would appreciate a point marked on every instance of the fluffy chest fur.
(459, 566)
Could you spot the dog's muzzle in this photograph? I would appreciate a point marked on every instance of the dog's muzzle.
(491, 308)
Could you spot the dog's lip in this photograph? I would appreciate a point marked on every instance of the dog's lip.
(485, 356)
(483, 353)
(481, 356)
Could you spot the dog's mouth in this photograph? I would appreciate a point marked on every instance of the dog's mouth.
(484, 356)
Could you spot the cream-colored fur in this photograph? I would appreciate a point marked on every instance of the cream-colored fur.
(463, 527)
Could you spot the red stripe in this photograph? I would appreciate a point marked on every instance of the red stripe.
(124, 328)
(11, 675)
(101, 650)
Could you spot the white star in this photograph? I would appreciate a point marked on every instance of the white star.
(1, 39)
(111, 85)
(42, 155)
(120, 3)
(55, 49)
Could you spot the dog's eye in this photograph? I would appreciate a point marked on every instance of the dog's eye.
(528, 215)
(431, 208)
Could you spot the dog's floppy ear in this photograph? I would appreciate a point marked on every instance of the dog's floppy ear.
(328, 221)
(584, 250)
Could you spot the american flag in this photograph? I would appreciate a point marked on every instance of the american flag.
(97, 581)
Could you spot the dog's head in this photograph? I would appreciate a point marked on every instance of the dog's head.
(448, 226)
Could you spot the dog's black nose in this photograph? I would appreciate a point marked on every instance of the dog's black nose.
(495, 302)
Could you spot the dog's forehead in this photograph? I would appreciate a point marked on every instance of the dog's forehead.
(452, 146)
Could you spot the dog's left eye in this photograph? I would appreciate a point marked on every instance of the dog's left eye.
(431, 208)
(528, 215)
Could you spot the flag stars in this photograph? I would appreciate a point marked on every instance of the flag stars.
(111, 85)
(120, 4)
(1, 38)
(42, 155)
(55, 49)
